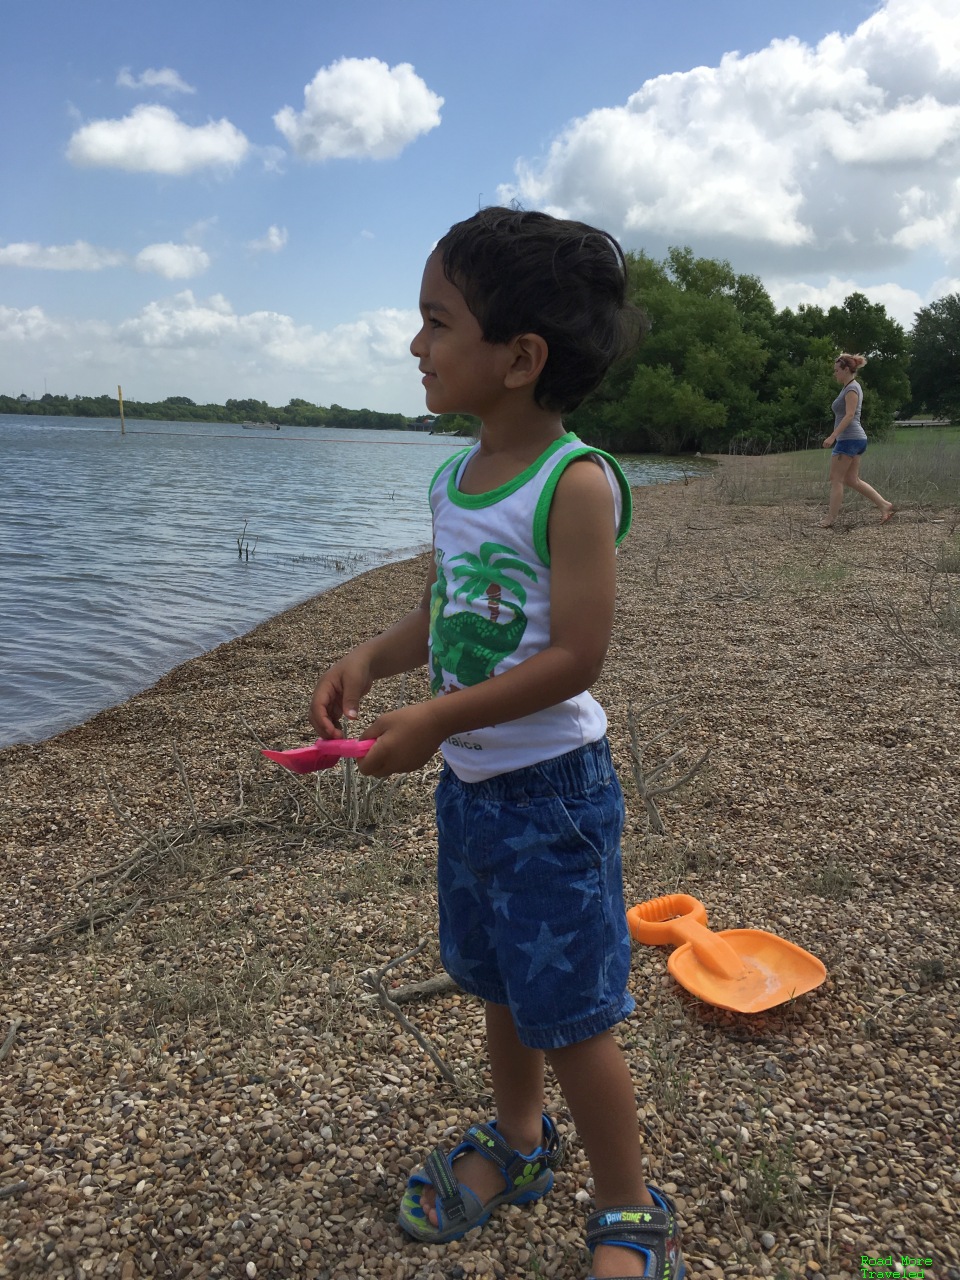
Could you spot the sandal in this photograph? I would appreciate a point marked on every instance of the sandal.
(527, 1178)
(651, 1230)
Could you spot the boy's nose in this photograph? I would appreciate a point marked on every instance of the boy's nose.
(413, 343)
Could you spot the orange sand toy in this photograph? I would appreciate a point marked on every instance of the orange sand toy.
(746, 970)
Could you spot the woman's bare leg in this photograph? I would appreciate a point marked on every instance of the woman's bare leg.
(840, 464)
(853, 481)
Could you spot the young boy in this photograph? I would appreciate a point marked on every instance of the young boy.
(522, 315)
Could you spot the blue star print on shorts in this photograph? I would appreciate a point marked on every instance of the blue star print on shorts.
(530, 884)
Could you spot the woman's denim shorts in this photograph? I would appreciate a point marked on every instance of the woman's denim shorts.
(849, 448)
(530, 881)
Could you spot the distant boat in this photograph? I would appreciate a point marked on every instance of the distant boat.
(260, 426)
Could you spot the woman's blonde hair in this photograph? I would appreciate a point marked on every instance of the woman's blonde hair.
(849, 362)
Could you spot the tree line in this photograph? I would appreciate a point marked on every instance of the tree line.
(299, 413)
(717, 368)
(720, 368)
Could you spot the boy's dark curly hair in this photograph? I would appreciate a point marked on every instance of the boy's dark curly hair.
(521, 271)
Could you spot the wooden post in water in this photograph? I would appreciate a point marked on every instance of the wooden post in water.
(123, 429)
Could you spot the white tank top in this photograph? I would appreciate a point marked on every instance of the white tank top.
(490, 606)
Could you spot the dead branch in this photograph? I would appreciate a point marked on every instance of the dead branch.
(92, 920)
(146, 855)
(15, 1026)
(182, 770)
(921, 643)
(429, 987)
(374, 980)
(650, 784)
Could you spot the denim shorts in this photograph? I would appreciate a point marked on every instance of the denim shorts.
(849, 448)
(530, 882)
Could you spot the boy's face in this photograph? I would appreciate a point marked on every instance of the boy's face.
(461, 372)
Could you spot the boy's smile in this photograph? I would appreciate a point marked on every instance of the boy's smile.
(462, 373)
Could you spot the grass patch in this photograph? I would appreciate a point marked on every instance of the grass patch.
(837, 880)
(825, 576)
(919, 467)
(948, 557)
(770, 1191)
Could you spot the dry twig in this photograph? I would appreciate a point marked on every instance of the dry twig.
(649, 785)
(15, 1026)
(374, 979)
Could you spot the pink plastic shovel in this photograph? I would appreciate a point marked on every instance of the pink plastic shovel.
(322, 754)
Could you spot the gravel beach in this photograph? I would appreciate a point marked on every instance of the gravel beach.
(200, 1075)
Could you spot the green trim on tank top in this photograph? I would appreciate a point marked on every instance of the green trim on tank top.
(453, 457)
(474, 501)
(542, 514)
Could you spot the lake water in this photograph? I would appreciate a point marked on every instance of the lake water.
(119, 555)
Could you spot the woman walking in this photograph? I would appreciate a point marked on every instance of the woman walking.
(849, 441)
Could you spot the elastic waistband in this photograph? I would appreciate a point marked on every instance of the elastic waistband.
(574, 773)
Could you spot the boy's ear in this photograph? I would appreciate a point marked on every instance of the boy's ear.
(529, 354)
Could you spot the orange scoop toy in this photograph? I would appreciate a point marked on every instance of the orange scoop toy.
(746, 970)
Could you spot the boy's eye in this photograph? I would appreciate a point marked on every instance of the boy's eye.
(435, 323)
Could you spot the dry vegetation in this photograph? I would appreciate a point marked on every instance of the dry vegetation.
(198, 1081)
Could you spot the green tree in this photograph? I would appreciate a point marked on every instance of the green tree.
(935, 358)
(864, 327)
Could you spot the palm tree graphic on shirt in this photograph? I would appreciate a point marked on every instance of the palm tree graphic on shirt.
(485, 575)
(466, 644)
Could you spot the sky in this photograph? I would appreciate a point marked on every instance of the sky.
(220, 199)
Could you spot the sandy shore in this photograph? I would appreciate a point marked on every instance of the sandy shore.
(199, 1081)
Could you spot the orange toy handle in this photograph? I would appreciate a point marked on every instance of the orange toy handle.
(655, 922)
(679, 918)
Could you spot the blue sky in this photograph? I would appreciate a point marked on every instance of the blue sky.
(214, 199)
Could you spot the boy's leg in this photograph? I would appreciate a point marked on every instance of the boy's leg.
(517, 1074)
(595, 1081)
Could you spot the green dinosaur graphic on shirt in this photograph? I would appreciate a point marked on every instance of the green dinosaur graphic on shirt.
(466, 644)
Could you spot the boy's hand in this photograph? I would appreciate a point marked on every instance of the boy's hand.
(406, 739)
(338, 693)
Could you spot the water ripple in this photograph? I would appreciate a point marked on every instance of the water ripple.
(119, 555)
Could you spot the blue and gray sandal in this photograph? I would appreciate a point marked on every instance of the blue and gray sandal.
(650, 1229)
(526, 1178)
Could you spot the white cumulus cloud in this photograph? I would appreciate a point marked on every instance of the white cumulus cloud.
(173, 261)
(185, 321)
(78, 256)
(153, 139)
(28, 324)
(360, 108)
(901, 304)
(274, 240)
(824, 158)
(154, 78)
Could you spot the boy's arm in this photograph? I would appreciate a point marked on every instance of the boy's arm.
(402, 647)
(582, 541)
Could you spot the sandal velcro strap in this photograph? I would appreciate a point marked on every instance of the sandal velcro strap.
(651, 1229)
(438, 1169)
(526, 1178)
(485, 1139)
(628, 1224)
